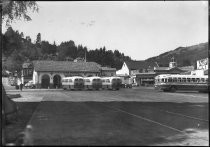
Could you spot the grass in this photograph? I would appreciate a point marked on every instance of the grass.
(14, 126)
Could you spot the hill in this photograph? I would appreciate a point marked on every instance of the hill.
(184, 56)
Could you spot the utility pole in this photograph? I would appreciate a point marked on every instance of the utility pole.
(85, 56)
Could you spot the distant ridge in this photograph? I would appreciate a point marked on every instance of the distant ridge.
(184, 56)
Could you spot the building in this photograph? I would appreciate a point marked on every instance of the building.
(48, 74)
(27, 72)
(144, 73)
(133, 68)
(202, 67)
(107, 71)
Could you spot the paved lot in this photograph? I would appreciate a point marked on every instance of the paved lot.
(138, 116)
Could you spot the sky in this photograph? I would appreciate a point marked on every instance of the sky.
(139, 29)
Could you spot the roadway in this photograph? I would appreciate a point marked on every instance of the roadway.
(137, 116)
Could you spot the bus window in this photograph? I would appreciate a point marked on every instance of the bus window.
(202, 80)
(206, 80)
(103, 81)
(174, 79)
(81, 80)
(193, 80)
(183, 80)
(188, 80)
(108, 81)
(197, 80)
(70, 80)
(169, 79)
(87, 80)
(179, 80)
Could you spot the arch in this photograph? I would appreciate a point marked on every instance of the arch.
(57, 81)
(45, 83)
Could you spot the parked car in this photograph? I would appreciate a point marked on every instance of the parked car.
(30, 84)
(135, 84)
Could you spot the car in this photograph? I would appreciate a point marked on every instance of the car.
(135, 84)
(30, 84)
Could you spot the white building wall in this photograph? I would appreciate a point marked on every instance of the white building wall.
(124, 70)
(35, 77)
(197, 72)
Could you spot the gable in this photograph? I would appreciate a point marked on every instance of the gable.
(137, 65)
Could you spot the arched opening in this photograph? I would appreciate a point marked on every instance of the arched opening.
(45, 81)
(57, 81)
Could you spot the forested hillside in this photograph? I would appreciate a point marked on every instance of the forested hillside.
(18, 48)
(184, 56)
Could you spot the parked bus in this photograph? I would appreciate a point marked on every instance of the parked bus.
(93, 83)
(167, 82)
(113, 83)
(72, 83)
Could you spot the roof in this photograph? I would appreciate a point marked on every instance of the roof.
(184, 68)
(181, 76)
(147, 73)
(108, 69)
(187, 68)
(134, 65)
(161, 68)
(66, 66)
(27, 65)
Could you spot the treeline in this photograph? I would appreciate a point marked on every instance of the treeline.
(18, 48)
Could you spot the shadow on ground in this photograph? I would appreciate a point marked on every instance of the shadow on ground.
(116, 123)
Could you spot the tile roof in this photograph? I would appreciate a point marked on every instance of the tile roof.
(40, 65)
(108, 69)
(134, 65)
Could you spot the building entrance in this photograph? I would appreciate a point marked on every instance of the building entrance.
(57, 81)
(45, 81)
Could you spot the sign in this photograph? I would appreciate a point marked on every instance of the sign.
(202, 64)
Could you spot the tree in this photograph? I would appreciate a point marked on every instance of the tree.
(12, 10)
(38, 38)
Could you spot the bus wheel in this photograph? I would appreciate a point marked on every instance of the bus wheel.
(173, 89)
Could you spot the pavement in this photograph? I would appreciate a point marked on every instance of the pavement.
(117, 118)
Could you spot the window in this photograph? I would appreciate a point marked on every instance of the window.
(188, 79)
(193, 80)
(197, 80)
(183, 80)
(103, 80)
(169, 79)
(87, 80)
(81, 80)
(70, 80)
(107, 80)
(162, 80)
(30, 71)
(202, 80)
(174, 79)
(206, 80)
(179, 80)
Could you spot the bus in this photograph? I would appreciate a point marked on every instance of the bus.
(170, 82)
(93, 83)
(113, 83)
(73, 83)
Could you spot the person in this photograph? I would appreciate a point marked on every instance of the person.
(21, 86)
